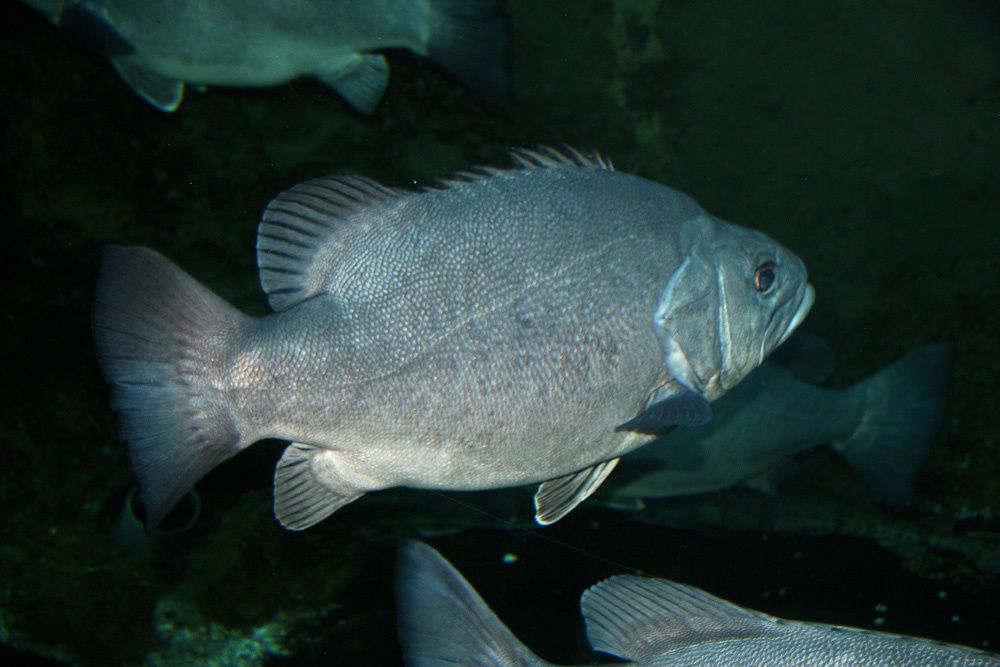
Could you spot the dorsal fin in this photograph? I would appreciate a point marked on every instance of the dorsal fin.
(638, 617)
(301, 229)
(543, 157)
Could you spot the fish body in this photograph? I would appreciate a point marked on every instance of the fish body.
(159, 45)
(883, 426)
(511, 327)
(645, 620)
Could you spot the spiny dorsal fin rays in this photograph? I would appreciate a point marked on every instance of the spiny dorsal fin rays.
(543, 157)
(547, 156)
(467, 176)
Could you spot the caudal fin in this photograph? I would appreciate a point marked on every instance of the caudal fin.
(443, 621)
(470, 39)
(903, 410)
(160, 337)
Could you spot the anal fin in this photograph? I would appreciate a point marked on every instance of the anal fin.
(308, 488)
(163, 93)
(363, 85)
(557, 497)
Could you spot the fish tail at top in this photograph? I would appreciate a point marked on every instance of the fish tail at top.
(470, 38)
(160, 338)
(903, 408)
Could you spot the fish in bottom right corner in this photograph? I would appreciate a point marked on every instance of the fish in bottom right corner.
(645, 620)
(882, 426)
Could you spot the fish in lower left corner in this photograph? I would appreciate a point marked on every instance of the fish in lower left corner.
(443, 621)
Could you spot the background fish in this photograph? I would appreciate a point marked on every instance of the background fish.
(511, 327)
(159, 45)
(647, 621)
(882, 426)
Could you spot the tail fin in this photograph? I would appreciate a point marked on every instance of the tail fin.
(160, 337)
(470, 38)
(443, 621)
(903, 410)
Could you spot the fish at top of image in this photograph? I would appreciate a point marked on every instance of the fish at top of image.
(158, 46)
(645, 620)
(508, 327)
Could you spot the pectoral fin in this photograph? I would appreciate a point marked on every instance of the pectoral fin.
(163, 93)
(555, 498)
(308, 487)
(680, 409)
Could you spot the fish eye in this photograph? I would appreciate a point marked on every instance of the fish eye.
(765, 276)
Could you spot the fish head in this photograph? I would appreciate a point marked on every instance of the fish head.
(735, 297)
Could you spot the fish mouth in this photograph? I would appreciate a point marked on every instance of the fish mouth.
(806, 297)
(806, 302)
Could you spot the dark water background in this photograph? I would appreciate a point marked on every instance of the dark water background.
(863, 135)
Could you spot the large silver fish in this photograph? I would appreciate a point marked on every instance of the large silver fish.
(510, 327)
(647, 621)
(159, 45)
(882, 426)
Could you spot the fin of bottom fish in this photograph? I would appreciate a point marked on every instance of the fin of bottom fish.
(163, 93)
(363, 85)
(639, 618)
(555, 498)
(308, 488)
(443, 621)
(152, 326)
(903, 410)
